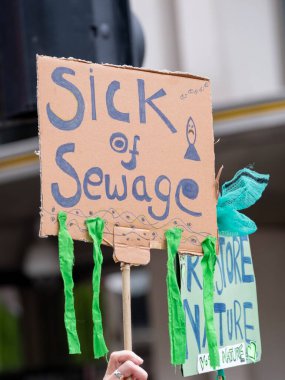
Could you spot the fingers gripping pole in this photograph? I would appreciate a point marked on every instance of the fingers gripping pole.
(127, 319)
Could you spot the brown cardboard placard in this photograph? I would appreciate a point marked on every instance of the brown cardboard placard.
(132, 146)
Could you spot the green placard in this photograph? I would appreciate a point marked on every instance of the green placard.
(235, 308)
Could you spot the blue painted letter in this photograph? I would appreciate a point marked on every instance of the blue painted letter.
(230, 261)
(144, 195)
(116, 195)
(132, 164)
(149, 101)
(220, 308)
(247, 305)
(112, 110)
(161, 196)
(92, 92)
(68, 169)
(190, 190)
(195, 324)
(192, 272)
(88, 181)
(245, 260)
(66, 125)
(237, 316)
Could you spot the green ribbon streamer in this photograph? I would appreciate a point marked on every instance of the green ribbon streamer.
(208, 263)
(95, 228)
(176, 316)
(66, 262)
(221, 373)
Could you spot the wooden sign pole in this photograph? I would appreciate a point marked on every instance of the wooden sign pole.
(126, 295)
(128, 252)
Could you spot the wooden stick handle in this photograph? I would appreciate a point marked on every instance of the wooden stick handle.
(127, 318)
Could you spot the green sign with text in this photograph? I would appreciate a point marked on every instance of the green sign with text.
(235, 308)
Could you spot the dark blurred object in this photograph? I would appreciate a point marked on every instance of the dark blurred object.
(94, 30)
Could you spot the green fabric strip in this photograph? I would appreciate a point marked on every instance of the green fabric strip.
(208, 263)
(66, 262)
(221, 373)
(176, 316)
(95, 229)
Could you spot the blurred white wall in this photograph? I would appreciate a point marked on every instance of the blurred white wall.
(158, 21)
(237, 44)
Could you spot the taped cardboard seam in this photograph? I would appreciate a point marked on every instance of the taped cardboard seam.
(128, 246)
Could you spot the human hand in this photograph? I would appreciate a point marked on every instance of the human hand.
(124, 364)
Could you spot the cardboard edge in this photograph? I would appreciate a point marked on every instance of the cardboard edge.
(41, 234)
(128, 67)
(162, 72)
(190, 253)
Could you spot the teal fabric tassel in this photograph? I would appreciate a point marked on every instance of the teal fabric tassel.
(95, 228)
(221, 373)
(176, 316)
(240, 193)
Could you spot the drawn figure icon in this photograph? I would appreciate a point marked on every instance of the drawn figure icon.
(191, 135)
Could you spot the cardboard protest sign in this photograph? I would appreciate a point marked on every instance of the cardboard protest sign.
(132, 146)
(235, 308)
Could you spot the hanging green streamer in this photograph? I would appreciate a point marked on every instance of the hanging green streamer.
(176, 316)
(208, 263)
(221, 373)
(66, 261)
(95, 229)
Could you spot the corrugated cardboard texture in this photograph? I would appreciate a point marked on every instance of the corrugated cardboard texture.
(132, 146)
